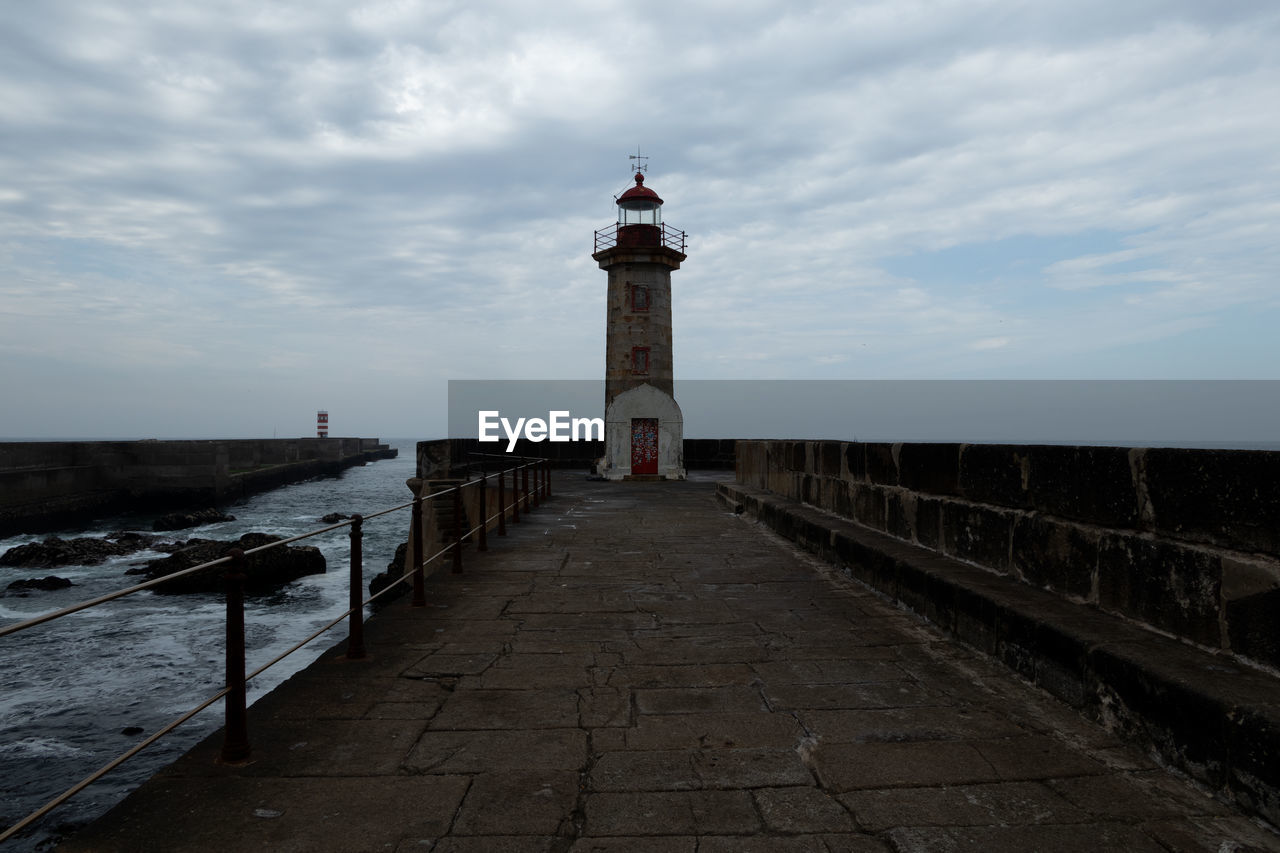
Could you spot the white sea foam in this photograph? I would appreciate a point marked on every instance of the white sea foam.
(20, 615)
(15, 541)
(41, 746)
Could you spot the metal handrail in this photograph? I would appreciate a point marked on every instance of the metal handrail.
(467, 467)
(354, 613)
(673, 238)
(668, 237)
(607, 237)
(103, 599)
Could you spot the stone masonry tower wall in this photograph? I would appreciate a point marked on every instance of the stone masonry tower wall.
(639, 318)
(644, 428)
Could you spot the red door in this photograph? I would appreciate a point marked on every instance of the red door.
(644, 445)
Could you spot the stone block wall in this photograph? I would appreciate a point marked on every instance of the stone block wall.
(44, 485)
(443, 456)
(437, 457)
(1183, 541)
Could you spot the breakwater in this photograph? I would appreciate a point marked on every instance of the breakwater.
(45, 485)
(439, 456)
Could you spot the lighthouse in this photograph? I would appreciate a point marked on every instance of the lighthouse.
(644, 429)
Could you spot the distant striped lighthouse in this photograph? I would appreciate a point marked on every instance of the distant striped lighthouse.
(322, 424)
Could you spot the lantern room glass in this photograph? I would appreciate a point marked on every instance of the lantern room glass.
(640, 212)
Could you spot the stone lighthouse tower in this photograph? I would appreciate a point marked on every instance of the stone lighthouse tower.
(643, 426)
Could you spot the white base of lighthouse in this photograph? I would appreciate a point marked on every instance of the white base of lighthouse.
(643, 436)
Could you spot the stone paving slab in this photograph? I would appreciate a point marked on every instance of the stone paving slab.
(635, 668)
(1211, 717)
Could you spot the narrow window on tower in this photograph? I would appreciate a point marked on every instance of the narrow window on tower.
(639, 298)
(640, 360)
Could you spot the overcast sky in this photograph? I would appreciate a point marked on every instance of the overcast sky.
(217, 218)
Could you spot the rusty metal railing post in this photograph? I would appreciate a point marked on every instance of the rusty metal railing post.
(415, 545)
(457, 529)
(515, 495)
(502, 503)
(355, 623)
(484, 513)
(235, 738)
(537, 484)
(546, 480)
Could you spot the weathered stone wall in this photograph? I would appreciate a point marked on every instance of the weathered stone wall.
(436, 457)
(709, 454)
(1183, 541)
(247, 454)
(626, 327)
(47, 484)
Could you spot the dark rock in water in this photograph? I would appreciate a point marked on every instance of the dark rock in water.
(183, 520)
(395, 569)
(131, 730)
(334, 518)
(267, 569)
(257, 540)
(20, 588)
(54, 552)
(132, 539)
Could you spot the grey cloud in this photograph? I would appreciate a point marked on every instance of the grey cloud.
(287, 189)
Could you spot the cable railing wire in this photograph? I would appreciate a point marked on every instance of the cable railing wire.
(354, 613)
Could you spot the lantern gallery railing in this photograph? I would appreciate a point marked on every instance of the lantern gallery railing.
(668, 237)
(486, 492)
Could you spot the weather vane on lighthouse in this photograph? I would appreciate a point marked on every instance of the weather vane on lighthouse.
(640, 167)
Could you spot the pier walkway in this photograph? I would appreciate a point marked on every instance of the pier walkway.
(635, 668)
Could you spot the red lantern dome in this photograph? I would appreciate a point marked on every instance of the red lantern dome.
(639, 216)
(639, 222)
(638, 198)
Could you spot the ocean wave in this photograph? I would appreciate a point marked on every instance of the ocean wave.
(42, 746)
(20, 615)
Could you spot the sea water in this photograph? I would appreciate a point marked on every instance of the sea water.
(71, 688)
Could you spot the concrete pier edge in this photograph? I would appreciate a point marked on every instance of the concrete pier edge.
(1204, 714)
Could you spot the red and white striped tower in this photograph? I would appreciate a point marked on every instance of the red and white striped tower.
(322, 424)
